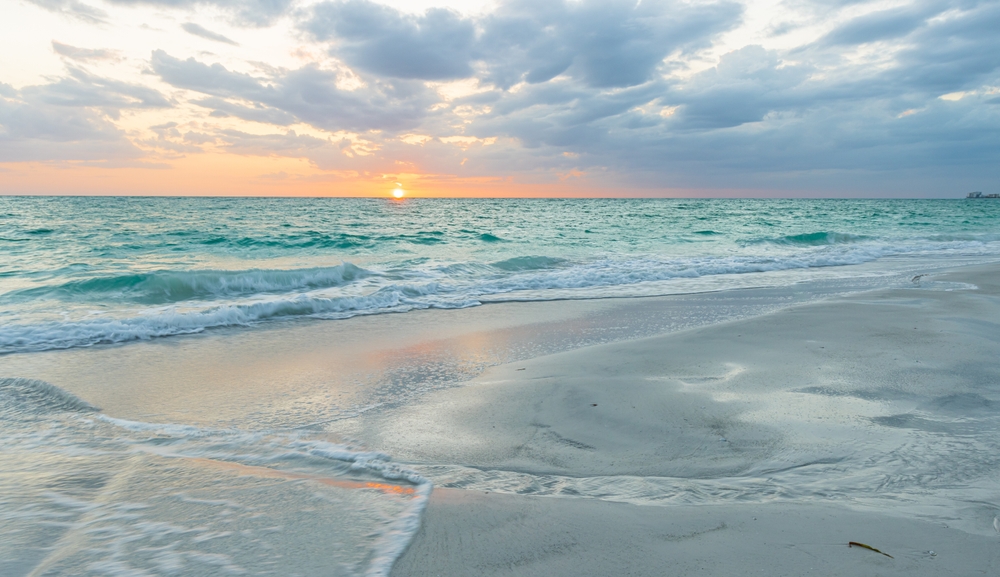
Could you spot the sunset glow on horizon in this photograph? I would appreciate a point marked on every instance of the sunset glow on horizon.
(498, 99)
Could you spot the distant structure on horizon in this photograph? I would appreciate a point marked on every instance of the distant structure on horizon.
(981, 195)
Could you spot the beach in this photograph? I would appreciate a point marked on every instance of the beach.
(860, 419)
(555, 388)
(572, 288)
(760, 444)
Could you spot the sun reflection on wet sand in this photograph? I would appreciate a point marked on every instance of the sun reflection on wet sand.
(256, 471)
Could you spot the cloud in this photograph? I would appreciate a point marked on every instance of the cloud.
(84, 54)
(195, 29)
(434, 46)
(289, 143)
(258, 113)
(309, 94)
(744, 87)
(245, 12)
(70, 119)
(32, 129)
(253, 13)
(83, 90)
(957, 51)
(213, 79)
(74, 9)
(602, 87)
(880, 26)
(594, 79)
(605, 43)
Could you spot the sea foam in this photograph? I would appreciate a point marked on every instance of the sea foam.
(144, 496)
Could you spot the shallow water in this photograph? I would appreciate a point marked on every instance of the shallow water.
(85, 494)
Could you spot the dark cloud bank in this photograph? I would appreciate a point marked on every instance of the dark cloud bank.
(601, 86)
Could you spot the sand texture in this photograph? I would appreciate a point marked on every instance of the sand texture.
(869, 418)
(471, 533)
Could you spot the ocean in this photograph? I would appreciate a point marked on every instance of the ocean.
(84, 492)
(78, 272)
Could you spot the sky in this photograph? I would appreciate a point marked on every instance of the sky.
(703, 98)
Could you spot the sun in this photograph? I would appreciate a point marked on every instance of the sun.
(398, 193)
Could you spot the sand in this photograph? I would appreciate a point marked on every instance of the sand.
(777, 440)
(472, 533)
(755, 446)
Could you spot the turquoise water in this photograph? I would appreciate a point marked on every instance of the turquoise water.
(83, 271)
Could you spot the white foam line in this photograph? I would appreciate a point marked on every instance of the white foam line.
(397, 537)
(391, 544)
(610, 276)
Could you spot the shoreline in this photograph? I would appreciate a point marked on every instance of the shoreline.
(870, 416)
(642, 421)
(363, 361)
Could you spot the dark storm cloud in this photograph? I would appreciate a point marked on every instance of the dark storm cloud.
(200, 31)
(309, 94)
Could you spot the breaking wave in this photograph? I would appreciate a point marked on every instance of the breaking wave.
(160, 287)
(193, 301)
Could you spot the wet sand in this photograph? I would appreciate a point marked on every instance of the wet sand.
(473, 533)
(755, 446)
(760, 446)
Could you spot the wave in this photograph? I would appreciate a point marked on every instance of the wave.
(522, 263)
(815, 239)
(170, 322)
(161, 287)
(198, 300)
(304, 240)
